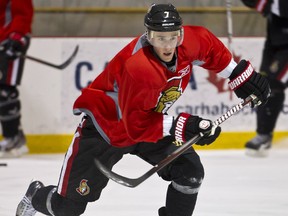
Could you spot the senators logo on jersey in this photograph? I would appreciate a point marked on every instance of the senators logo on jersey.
(167, 98)
(173, 91)
(83, 188)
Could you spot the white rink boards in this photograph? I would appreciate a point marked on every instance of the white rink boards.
(48, 94)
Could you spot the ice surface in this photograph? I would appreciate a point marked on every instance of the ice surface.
(234, 185)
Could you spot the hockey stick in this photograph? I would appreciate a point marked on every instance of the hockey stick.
(133, 182)
(61, 66)
(229, 25)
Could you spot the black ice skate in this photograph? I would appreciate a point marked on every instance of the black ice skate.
(13, 146)
(259, 146)
(25, 207)
(162, 211)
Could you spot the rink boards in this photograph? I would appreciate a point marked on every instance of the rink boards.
(48, 94)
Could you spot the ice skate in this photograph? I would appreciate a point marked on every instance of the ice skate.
(259, 146)
(162, 211)
(25, 207)
(14, 146)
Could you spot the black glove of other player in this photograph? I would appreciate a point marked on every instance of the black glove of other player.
(15, 45)
(265, 9)
(245, 81)
(185, 126)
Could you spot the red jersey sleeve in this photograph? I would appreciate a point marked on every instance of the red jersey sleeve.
(19, 19)
(210, 50)
(22, 15)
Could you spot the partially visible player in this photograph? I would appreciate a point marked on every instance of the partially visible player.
(15, 29)
(126, 111)
(275, 67)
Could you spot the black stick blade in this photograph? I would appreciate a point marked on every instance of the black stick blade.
(61, 66)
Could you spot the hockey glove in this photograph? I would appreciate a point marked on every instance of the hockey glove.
(264, 9)
(186, 126)
(15, 46)
(245, 81)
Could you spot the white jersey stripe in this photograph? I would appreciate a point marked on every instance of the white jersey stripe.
(275, 7)
(167, 124)
(284, 78)
(65, 163)
(228, 70)
(14, 71)
(261, 5)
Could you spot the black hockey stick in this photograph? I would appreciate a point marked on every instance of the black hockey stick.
(61, 66)
(133, 182)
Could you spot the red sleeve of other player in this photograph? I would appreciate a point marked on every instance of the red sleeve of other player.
(19, 19)
(22, 14)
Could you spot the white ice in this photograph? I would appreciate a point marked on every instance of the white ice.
(234, 185)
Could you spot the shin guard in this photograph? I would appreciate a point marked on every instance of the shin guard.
(178, 203)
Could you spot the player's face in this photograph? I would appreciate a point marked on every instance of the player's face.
(165, 43)
(165, 54)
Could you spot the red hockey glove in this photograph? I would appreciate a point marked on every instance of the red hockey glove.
(245, 81)
(15, 45)
(185, 126)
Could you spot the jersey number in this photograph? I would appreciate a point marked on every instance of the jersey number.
(166, 14)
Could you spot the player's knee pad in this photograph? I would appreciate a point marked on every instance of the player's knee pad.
(187, 173)
(274, 64)
(8, 92)
(277, 96)
(9, 104)
(267, 115)
(192, 188)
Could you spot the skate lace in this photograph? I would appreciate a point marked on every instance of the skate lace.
(25, 208)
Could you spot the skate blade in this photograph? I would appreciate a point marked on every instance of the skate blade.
(257, 153)
(15, 153)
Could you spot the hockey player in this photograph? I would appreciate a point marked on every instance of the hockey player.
(125, 111)
(275, 67)
(15, 28)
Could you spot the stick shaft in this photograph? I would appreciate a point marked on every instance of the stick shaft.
(229, 24)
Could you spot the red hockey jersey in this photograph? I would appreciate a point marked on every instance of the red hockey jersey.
(15, 16)
(129, 100)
